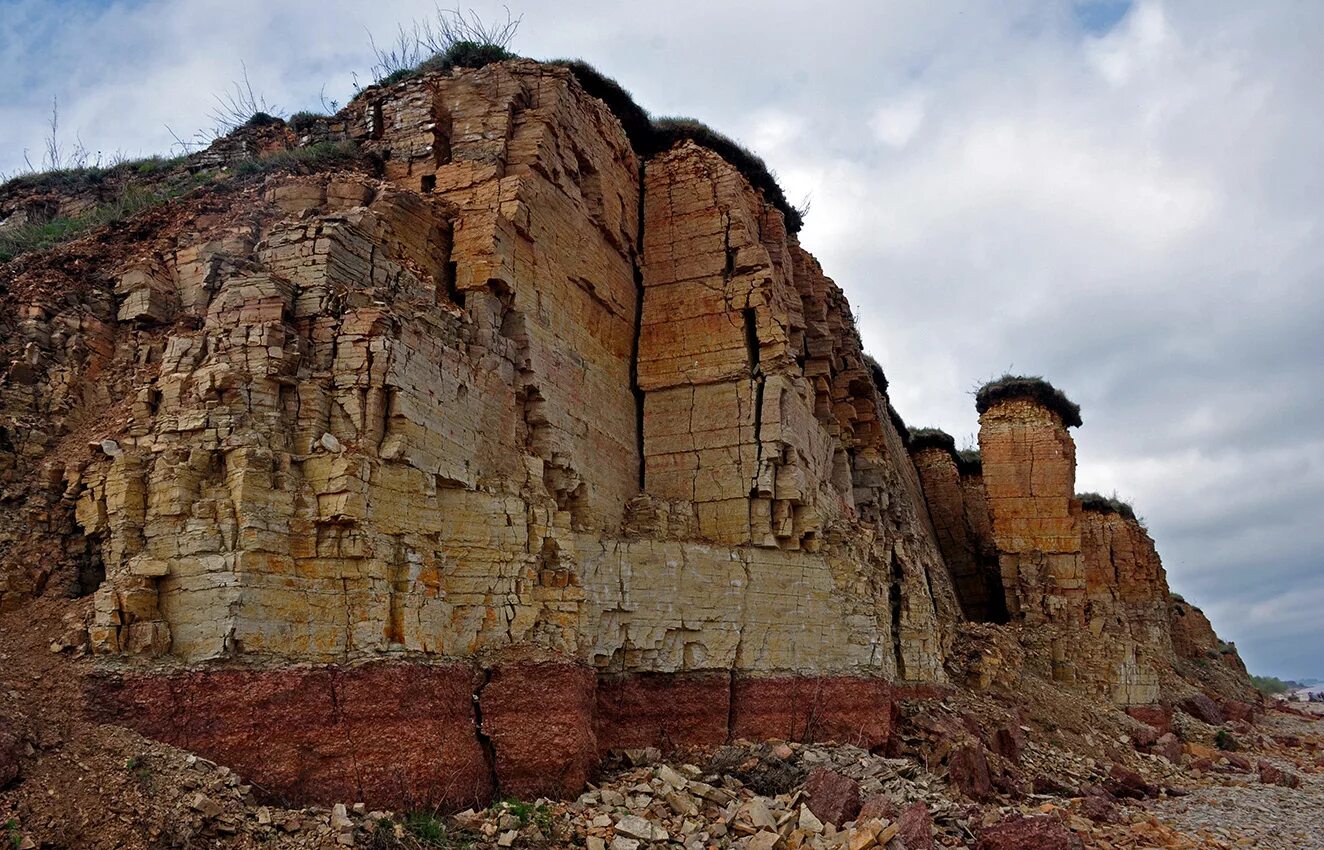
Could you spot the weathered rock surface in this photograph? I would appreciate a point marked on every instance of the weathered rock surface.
(445, 474)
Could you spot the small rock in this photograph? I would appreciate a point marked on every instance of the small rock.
(340, 818)
(330, 443)
(595, 842)
(620, 842)
(1126, 783)
(759, 815)
(10, 748)
(763, 840)
(1202, 708)
(506, 839)
(1169, 746)
(671, 777)
(633, 826)
(204, 805)
(808, 821)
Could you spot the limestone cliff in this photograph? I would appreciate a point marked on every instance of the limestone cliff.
(474, 422)
(1078, 575)
(501, 402)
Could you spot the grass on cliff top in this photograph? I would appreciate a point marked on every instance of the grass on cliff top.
(305, 160)
(449, 39)
(899, 424)
(127, 203)
(1030, 387)
(464, 54)
(970, 462)
(1101, 504)
(932, 438)
(130, 200)
(876, 372)
(650, 136)
(77, 179)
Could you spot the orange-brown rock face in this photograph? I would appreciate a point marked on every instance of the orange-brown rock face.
(1030, 478)
(1127, 593)
(459, 414)
(958, 506)
(1204, 658)
(1088, 586)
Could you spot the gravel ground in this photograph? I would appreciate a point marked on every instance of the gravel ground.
(1250, 814)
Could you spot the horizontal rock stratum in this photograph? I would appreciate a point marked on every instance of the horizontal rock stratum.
(440, 471)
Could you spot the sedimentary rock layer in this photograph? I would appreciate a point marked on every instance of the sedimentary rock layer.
(452, 735)
(514, 391)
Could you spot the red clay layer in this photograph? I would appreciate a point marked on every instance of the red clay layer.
(539, 719)
(663, 710)
(400, 734)
(406, 735)
(838, 708)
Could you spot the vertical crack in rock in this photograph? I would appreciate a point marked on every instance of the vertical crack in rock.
(485, 740)
(894, 599)
(756, 377)
(638, 272)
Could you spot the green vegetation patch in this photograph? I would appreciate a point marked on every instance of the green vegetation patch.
(462, 54)
(127, 203)
(1033, 388)
(72, 180)
(932, 438)
(305, 160)
(1100, 504)
(1271, 685)
(969, 462)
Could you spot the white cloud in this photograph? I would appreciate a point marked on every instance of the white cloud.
(896, 123)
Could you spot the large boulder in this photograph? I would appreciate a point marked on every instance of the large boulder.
(967, 768)
(1039, 832)
(1272, 774)
(833, 798)
(1203, 708)
(916, 827)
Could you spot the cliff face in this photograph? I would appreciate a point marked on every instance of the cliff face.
(506, 439)
(1082, 582)
(521, 410)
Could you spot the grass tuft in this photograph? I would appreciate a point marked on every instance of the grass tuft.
(1098, 503)
(127, 203)
(932, 438)
(262, 119)
(305, 160)
(669, 132)
(302, 122)
(970, 462)
(1030, 387)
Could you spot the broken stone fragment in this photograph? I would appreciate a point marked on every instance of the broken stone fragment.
(1272, 774)
(1038, 832)
(204, 805)
(633, 826)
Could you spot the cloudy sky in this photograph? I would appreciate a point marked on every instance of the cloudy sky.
(1125, 197)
